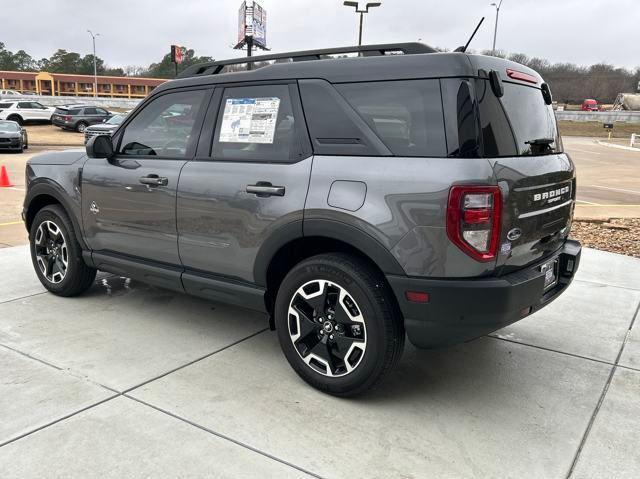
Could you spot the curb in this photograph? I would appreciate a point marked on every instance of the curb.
(65, 145)
(620, 147)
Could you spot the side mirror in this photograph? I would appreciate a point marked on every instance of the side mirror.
(100, 147)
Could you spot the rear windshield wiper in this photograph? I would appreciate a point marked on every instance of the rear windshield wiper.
(540, 142)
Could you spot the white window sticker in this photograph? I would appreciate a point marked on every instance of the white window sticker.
(249, 120)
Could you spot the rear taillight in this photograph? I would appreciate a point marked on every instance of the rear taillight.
(473, 220)
(66, 118)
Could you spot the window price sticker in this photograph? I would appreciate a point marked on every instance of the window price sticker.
(249, 120)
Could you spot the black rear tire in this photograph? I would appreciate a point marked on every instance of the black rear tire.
(364, 289)
(81, 126)
(77, 277)
(18, 119)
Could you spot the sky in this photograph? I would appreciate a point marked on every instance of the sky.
(139, 32)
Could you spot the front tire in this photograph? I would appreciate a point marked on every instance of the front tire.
(57, 255)
(338, 324)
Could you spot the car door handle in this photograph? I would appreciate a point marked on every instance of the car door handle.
(265, 189)
(154, 180)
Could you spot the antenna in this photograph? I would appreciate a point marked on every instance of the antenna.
(464, 49)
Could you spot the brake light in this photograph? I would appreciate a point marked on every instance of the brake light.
(66, 118)
(516, 75)
(473, 220)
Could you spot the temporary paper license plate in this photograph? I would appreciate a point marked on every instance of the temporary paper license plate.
(550, 271)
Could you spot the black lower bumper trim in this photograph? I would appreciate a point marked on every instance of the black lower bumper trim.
(463, 309)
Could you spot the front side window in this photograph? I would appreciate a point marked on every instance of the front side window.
(255, 123)
(165, 126)
(406, 115)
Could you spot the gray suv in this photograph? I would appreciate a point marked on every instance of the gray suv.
(356, 201)
(79, 117)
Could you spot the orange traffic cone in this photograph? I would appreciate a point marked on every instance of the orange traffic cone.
(4, 178)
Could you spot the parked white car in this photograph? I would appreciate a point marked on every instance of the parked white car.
(21, 111)
(5, 93)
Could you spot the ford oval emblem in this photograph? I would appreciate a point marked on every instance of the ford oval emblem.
(514, 234)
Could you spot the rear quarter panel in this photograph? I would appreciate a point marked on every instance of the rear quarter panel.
(404, 207)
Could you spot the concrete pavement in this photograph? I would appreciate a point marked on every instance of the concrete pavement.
(133, 381)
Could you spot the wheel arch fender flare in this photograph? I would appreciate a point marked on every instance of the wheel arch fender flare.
(47, 187)
(324, 228)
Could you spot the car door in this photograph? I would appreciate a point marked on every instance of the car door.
(28, 112)
(129, 201)
(248, 182)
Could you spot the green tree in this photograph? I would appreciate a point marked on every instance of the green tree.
(166, 69)
(63, 61)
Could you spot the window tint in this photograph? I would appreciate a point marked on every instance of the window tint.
(164, 127)
(5, 105)
(72, 112)
(90, 111)
(406, 115)
(101, 111)
(532, 120)
(496, 134)
(24, 104)
(255, 124)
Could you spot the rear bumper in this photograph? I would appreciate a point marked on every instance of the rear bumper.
(62, 123)
(461, 310)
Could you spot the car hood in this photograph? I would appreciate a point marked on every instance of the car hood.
(66, 157)
(102, 127)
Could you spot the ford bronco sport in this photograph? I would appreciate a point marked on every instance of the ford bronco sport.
(355, 200)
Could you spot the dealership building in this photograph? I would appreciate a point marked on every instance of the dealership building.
(62, 84)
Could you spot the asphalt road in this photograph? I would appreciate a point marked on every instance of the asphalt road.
(608, 179)
(608, 185)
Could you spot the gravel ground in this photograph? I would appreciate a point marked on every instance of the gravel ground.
(615, 235)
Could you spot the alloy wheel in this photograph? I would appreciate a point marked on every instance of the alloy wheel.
(327, 328)
(52, 255)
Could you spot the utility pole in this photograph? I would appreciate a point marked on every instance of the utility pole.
(495, 30)
(362, 11)
(95, 64)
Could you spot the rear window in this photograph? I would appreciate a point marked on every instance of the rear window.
(405, 115)
(518, 124)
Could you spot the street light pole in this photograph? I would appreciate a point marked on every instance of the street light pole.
(495, 30)
(362, 11)
(95, 64)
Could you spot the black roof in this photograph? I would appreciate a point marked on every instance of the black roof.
(376, 63)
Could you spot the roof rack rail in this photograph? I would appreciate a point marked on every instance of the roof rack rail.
(215, 67)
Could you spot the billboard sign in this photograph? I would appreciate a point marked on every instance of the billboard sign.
(259, 25)
(252, 22)
(178, 54)
(242, 22)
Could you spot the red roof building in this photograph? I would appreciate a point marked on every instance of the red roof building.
(62, 84)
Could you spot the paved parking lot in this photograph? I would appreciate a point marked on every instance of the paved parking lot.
(133, 381)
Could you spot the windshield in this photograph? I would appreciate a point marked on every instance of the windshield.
(9, 127)
(115, 120)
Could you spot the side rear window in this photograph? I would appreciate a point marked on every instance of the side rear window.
(90, 111)
(256, 123)
(405, 115)
(5, 105)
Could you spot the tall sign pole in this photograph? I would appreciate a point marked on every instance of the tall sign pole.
(252, 29)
